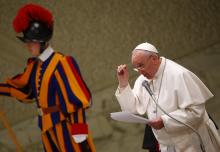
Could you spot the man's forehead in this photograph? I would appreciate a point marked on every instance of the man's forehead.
(138, 55)
(139, 52)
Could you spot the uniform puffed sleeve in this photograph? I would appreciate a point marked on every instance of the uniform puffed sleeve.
(19, 85)
(72, 90)
(74, 95)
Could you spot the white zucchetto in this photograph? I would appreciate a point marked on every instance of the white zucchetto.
(147, 47)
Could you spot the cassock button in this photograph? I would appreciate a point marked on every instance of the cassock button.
(154, 111)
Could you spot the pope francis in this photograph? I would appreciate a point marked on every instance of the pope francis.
(174, 102)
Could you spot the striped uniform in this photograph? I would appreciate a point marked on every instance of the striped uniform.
(61, 96)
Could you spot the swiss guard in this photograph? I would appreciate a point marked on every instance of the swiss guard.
(54, 82)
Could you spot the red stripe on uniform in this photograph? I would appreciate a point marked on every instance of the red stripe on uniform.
(79, 79)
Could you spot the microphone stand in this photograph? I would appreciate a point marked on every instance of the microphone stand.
(145, 84)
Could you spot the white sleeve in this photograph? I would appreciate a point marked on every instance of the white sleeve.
(191, 96)
(192, 116)
(126, 99)
(133, 100)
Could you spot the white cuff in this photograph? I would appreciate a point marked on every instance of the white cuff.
(120, 90)
(165, 119)
(79, 138)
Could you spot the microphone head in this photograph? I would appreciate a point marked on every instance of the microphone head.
(147, 87)
(145, 83)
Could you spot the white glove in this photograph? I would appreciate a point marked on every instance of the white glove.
(79, 138)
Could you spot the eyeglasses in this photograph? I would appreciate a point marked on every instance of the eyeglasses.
(139, 67)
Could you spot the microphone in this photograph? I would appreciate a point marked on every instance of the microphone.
(146, 85)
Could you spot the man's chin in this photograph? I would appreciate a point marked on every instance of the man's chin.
(34, 54)
(148, 76)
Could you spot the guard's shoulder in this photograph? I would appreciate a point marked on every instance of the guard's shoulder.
(60, 54)
(66, 58)
(69, 58)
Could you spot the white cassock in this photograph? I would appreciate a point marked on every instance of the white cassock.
(181, 94)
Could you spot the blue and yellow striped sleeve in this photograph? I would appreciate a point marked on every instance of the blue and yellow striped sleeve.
(74, 95)
(72, 90)
(18, 86)
(5, 89)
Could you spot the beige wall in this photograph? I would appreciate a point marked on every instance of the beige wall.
(100, 35)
